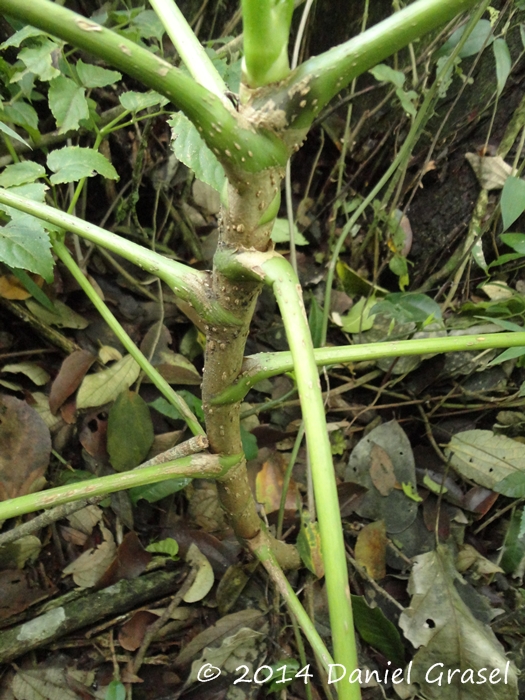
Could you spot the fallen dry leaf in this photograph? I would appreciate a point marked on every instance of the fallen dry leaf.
(381, 470)
(269, 485)
(370, 549)
(130, 561)
(90, 565)
(69, 377)
(132, 632)
(25, 448)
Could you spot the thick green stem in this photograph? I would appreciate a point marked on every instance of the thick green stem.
(219, 125)
(159, 381)
(199, 466)
(264, 365)
(189, 47)
(186, 283)
(266, 25)
(315, 82)
(279, 273)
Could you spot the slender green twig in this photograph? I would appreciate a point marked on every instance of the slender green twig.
(195, 467)
(157, 379)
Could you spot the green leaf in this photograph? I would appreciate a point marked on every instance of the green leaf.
(21, 173)
(95, 76)
(407, 99)
(21, 114)
(359, 318)
(130, 431)
(480, 37)
(512, 200)
(406, 307)
(385, 74)
(24, 245)
(168, 546)
(102, 387)
(61, 316)
(21, 35)
(514, 545)
(309, 545)
(516, 241)
(137, 101)
(508, 354)
(67, 101)
(149, 25)
(72, 163)
(115, 691)
(12, 134)
(38, 60)
(378, 631)
(167, 409)
(191, 150)
(512, 485)
(503, 63)
(315, 321)
(249, 444)
(281, 233)
(155, 492)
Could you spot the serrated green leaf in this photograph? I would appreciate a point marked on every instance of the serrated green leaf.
(21, 35)
(191, 150)
(102, 387)
(21, 173)
(38, 60)
(67, 101)
(503, 62)
(72, 163)
(378, 631)
(512, 200)
(21, 114)
(156, 492)
(137, 101)
(24, 245)
(130, 431)
(149, 25)
(12, 134)
(95, 76)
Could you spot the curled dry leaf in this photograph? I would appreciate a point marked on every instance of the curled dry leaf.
(90, 565)
(130, 561)
(25, 448)
(204, 579)
(67, 381)
(132, 632)
(370, 549)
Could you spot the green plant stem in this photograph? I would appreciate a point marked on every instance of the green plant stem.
(162, 385)
(260, 548)
(266, 365)
(201, 466)
(189, 47)
(186, 283)
(218, 123)
(280, 275)
(318, 80)
(266, 26)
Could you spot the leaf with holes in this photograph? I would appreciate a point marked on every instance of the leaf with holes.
(485, 457)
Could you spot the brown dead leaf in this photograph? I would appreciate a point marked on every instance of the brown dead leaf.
(25, 448)
(69, 377)
(130, 561)
(381, 470)
(93, 434)
(269, 485)
(91, 564)
(132, 632)
(18, 592)
(370, 549)
(12, 288)
(175, 368)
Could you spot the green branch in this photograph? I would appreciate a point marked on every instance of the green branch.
(266, 25)
(279, 273)
(315, 82)
(264, 365)
(218, 124)
(201, 466)
(186, 283)
(189, 48)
